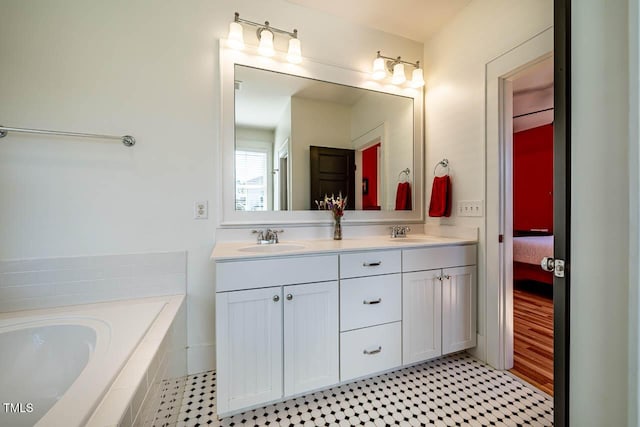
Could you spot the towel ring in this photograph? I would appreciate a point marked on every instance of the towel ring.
(406, 173)
(444, 163)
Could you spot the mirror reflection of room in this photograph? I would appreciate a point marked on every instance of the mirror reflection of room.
(299, 139)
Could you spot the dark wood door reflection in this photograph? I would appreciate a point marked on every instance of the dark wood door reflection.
(332, 172)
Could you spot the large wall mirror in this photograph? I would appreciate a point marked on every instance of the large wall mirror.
(292, 134)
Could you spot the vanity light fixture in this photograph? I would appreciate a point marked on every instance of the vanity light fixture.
(396, 67)
(265, 48)
(265, 34)
(398, 74)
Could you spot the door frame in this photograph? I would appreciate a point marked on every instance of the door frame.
(499, 216)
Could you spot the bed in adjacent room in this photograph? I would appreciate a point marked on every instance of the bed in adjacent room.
(528, 252)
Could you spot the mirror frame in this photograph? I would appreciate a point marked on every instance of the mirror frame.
(318, 71)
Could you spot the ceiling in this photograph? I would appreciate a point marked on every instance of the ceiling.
(533, 97)
(414, 19)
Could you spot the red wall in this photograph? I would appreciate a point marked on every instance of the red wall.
(370, 171)
(533, 179)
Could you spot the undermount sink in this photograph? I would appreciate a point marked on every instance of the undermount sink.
(272, 248)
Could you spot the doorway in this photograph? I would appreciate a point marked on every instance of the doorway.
(553, 42)
(531, 208)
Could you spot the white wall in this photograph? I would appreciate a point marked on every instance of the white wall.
(455, 101)
(319, 123)
(600, 214)
(148, 68)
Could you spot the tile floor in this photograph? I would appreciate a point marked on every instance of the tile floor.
(455, 390)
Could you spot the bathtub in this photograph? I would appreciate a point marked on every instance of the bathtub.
(60, 365)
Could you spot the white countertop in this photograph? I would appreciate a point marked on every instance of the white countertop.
(249, 250)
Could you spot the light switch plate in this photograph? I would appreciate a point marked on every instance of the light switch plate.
(470, 208)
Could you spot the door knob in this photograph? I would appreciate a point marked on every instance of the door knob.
(548, 263)
(554, 265)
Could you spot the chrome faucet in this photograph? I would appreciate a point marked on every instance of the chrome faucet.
(268, 236)
(399, 231)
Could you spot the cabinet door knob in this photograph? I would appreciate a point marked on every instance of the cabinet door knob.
(289, 297)
(446, 276)
(439, 278)
(276, 298)
(376, 351)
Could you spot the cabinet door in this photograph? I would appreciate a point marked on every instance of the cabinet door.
(458, 309)
(249, 348)
(421, 316)
(310, 337)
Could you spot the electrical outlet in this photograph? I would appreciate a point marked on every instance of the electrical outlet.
(470, 208)
(201, 210)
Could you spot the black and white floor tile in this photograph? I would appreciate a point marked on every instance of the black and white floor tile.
(452, 391)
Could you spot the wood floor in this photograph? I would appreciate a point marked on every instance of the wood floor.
(533, 334)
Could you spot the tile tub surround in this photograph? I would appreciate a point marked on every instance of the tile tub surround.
(27, 284)
(134, 395)
(455, 390)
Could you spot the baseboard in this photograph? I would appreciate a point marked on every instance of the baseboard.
(201, 358)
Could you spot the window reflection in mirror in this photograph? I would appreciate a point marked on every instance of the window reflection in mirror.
(298, 139)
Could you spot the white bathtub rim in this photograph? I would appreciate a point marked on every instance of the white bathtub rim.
(117, 403)
(112, 360)
(106, 361)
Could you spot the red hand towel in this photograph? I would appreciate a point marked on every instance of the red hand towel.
(440, 204)
(403, 197)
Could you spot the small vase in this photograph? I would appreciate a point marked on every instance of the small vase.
(337, 229)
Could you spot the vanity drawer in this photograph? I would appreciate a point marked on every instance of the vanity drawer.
(370, 350)
(438, 257)
(262, 273)
(369, 263)
(368, 301)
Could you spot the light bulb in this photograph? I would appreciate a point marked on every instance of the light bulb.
(379, 72)
(235, 40)
(265, 48)
(295, 53)
(398, 74)
(417, 78)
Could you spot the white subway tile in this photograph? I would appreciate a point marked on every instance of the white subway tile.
(50, 282)
(18, 292)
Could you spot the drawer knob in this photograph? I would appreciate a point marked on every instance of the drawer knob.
(376, 351)
(371, 264)
(376, 301)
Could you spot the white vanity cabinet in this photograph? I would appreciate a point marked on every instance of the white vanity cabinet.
(310, 337)
(458, 308)
(249, 347)
(291, 324)
(370, 313)
(275, 341)
(421, 316)
(439, 301)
